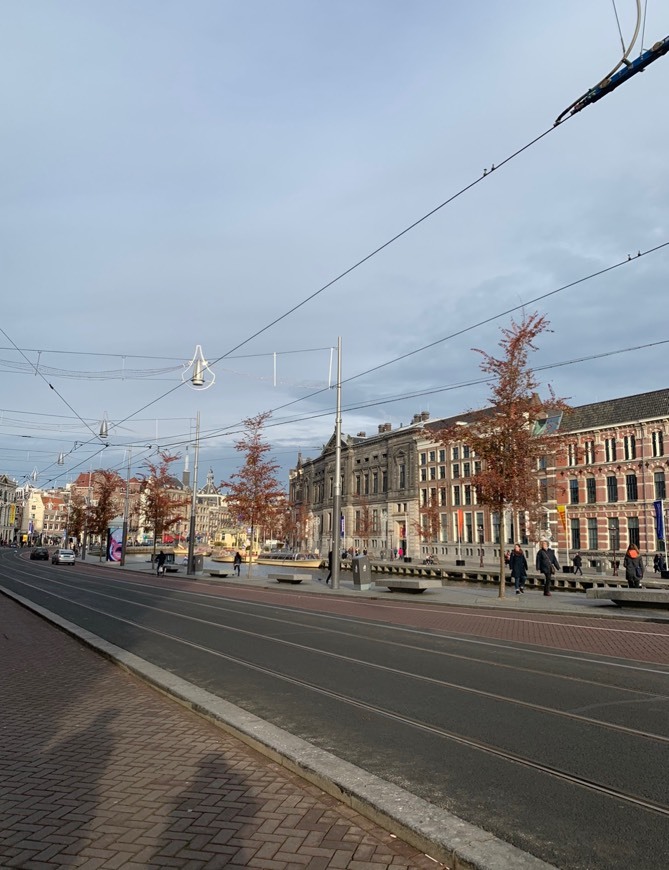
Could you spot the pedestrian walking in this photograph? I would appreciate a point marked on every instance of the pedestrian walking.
(160, 563)
(578, 563)
(518, 566)
(656, 563)
(546, 564)
(327, 579)
(633, 564)
(237, 563)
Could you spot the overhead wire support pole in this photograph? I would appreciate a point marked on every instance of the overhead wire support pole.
(336, 502)
(126, 510)
(191, 532)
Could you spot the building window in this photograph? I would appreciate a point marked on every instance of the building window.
(477, 466)
(480, 530)
(442, 495)
(495, 527)
(357, 521)
(402, 476)
(433, 473)
(423, 474)
(465, 452)
(633, 531)
(469, 529)
(631, 487)
(575, 534)
(660, 485)
(456, 471)
(629, 444)
(455, 453)
(423, 459)
(358, 485)
(443, 528)
(456, 495)
(658, 443)
(423, 498)
(384, 481)
(610, 449)
(467, 469)
(432, 456)
(593, 538)
(573, 491)
(541, 463)
(468, 494)
(543, 490)
(442, 472)
(375, 482)
(611, 489)
(442, 456)
(589, 450)
(591, 490)
(572, 454)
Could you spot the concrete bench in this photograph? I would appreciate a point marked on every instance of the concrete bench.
(289, 578)
(634, 597)
(412, 584)
(217, 573)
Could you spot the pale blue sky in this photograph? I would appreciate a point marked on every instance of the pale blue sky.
(178, 173)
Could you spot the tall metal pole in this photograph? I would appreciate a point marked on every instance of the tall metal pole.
(191, 535)
(336, 504)
(126, 509)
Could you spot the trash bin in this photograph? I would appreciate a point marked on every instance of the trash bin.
(361, 573)
(198, 564)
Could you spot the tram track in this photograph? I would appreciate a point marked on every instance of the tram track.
(378, 710)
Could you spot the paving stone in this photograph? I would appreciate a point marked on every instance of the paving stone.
(100, 772)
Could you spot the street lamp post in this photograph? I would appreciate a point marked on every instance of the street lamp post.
(336, 502)
(613, 532)
(126, 509)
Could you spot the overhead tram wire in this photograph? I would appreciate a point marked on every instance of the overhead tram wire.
(486, 174)
(431, 391)
(471, 327)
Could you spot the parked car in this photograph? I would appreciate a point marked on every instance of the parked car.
(39, 553)
(62, 556)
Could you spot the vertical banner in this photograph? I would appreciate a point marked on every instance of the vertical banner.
(658, 507)
(461, 523)
(562, 514)
(114, 543)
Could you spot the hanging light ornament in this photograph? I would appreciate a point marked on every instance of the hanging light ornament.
(198, 368)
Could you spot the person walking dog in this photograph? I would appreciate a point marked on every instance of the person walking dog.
(547, 565)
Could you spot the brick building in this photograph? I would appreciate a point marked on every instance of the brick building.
(402, 491)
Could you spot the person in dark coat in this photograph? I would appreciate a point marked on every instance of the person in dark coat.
(237, 563)
(633, 563)
(578, 563)
(518, 566)
(160, 563)
(546, 564)
(327, 579)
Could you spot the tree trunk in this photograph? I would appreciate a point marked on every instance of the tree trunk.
(502, 580)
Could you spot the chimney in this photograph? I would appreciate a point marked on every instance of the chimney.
(424, 415)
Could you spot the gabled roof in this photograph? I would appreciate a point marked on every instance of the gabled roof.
(615, 412)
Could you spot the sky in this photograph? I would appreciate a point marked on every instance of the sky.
(179, 174)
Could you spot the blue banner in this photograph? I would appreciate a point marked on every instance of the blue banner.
(658, 507)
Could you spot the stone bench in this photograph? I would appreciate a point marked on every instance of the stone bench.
(289, 578)
(634, 597)
(218, 573)
(412, 584)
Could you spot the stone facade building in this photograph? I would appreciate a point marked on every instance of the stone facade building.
(8, 510)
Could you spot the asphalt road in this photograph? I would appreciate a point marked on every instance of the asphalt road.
(563, 755)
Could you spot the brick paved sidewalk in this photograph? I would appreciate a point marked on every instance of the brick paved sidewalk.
(99, 771)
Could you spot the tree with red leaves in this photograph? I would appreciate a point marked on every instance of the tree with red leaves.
(512, 434)
(107, 486)
(163, 505)
(254, 493)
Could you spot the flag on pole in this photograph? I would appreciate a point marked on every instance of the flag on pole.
(658, 507)
(562, 513)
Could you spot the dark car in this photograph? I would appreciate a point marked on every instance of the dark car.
(39, 553)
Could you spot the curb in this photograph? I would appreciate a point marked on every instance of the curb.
(437, 833)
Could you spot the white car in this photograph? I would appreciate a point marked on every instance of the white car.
(62, 557)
